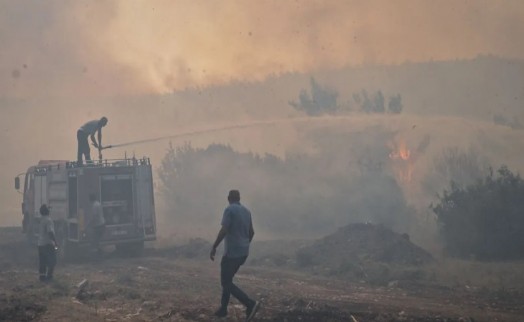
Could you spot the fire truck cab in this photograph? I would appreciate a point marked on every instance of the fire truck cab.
(124, 188)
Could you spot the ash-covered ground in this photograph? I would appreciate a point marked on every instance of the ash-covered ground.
(359, 273)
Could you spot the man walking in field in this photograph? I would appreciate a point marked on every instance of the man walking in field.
(237, 230)
(89, 130)
(46, 245)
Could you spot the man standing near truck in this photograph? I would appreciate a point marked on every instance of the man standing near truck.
(89, 130)
(97, 223)
(237, 229)
(46, 245)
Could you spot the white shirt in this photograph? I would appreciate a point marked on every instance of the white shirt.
(46, 226)
(97, 214)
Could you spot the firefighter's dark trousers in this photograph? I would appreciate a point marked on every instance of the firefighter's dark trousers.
(47, 261)
(83, 146)
(98, 233)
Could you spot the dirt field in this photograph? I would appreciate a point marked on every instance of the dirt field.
(180, 283)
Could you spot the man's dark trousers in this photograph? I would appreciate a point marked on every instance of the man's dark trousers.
(228, 268)
(83, 146)
(98, 232)
(47, 261)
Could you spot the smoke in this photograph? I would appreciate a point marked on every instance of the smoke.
(85, 48)
(66, 62)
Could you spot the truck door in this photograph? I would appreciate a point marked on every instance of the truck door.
(40, 198)
(28, 201)
(40, 189)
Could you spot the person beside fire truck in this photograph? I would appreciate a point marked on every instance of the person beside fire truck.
(89, 130)
(97, 223)
(47, 245)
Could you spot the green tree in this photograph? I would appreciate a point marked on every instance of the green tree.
(375, 103)
(365, 102)
(322, 100)
(395, 104)
(485, 219)
(379, 102)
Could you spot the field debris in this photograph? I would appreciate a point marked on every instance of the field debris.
(81, 286)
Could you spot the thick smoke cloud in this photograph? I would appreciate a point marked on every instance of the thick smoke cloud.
(158, 68)
(87, 48)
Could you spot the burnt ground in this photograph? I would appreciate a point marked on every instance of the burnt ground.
(181, 284)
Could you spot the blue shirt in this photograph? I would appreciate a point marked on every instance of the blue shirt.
(90, 127)
(237, 221)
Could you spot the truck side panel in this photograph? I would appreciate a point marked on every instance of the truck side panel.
(145, 201)
(57, 193)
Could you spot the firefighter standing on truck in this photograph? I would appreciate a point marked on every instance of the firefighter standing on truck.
(89, 130)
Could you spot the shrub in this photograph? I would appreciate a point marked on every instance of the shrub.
(484, 219)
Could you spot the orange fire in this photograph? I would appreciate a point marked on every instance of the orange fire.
(401, 152)
(403, 167)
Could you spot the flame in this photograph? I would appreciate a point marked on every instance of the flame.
(404, 167)
(402, 152)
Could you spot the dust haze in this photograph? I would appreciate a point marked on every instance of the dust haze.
(228, 71)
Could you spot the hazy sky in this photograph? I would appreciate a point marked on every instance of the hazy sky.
(85, 48)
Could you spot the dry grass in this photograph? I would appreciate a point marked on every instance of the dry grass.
(489, 275)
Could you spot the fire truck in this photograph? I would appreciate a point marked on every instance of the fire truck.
(124, 188)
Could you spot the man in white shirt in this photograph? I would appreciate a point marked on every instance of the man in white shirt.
(46, 245)
(97, 222)
(89, 130)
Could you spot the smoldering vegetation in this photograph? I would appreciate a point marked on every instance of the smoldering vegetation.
(359, 175)
(293, 196)
(370, 204)
(347, 176)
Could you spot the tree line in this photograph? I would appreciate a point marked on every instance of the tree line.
(321, 100)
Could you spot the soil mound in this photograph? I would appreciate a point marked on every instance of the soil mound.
(364, 250)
